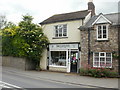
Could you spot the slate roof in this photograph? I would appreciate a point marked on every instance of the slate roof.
(66, 17)
(111, 17)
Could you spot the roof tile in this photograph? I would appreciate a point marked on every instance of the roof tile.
(66, 17)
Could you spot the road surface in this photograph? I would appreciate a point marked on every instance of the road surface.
(15, 80)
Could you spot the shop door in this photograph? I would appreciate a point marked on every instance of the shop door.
(74, 61)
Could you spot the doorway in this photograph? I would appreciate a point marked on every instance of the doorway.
(74, 61)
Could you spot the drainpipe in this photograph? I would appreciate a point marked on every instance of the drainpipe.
(48, 57)
(88, 46)
(119, 49)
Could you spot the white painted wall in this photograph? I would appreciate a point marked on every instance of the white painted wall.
(44, 61)
(73, 36)
(72, 29)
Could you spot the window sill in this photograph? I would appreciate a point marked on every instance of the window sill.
(102, 67)
(102, 40)
(58, 66)
(59, 37)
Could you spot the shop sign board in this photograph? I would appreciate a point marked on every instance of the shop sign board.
(63, 46)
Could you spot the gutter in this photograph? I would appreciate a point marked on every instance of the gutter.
(50, 22)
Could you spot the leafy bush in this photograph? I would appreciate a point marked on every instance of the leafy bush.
(83, 71)
(98, 72)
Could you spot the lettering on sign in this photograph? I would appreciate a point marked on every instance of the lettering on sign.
(63, 46)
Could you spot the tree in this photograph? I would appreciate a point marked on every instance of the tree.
(34, 37)
(3, 21)
(25, 40)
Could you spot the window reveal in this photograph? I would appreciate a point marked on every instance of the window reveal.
(60, 30)
(102, 59)
(102, 32)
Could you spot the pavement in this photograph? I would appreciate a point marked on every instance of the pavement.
(70, 78)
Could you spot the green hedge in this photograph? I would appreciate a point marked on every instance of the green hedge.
(98, 72)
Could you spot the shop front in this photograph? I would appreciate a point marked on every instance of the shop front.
(64, 57)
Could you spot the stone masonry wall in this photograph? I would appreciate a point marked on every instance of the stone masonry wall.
(110, 45)
(84, 48)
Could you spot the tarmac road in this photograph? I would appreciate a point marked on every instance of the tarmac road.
(28, 82)
(23, 81)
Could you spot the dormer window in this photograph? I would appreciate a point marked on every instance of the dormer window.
(102, 32)
(61, 30)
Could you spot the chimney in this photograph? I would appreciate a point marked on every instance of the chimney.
(91, 7)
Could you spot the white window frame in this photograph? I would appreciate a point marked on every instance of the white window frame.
(58, 65)
(62, 31)
(102, 32)
(100, 61)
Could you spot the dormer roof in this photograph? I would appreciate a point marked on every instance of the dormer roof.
(107, 18)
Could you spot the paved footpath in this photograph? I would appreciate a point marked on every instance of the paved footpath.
(68, 78)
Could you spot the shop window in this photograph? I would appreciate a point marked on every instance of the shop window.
(58, 58)
(102, 59)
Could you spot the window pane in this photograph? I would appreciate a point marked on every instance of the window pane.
(64, 26)
(96, 59)
(60, 31)
(108, 59)
(64, 30)
(96, 54)
(96, 64)
(54, 57)
(108, 64)
(56, 33)
(104, 31)
(102, 59)
(102, 64)
(64, 34)
(56, 27)
(102, 54)
(58, 58)
(99, 27)
(104, 27)
(108, 55)
(104, 36)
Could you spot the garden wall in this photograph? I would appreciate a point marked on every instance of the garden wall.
(19, 63)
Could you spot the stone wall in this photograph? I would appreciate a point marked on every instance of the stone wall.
(19, 63)
(84, 48)
(110, 45)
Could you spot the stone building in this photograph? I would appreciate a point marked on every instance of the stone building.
(100, 41)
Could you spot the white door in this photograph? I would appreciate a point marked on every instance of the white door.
(68, 60)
